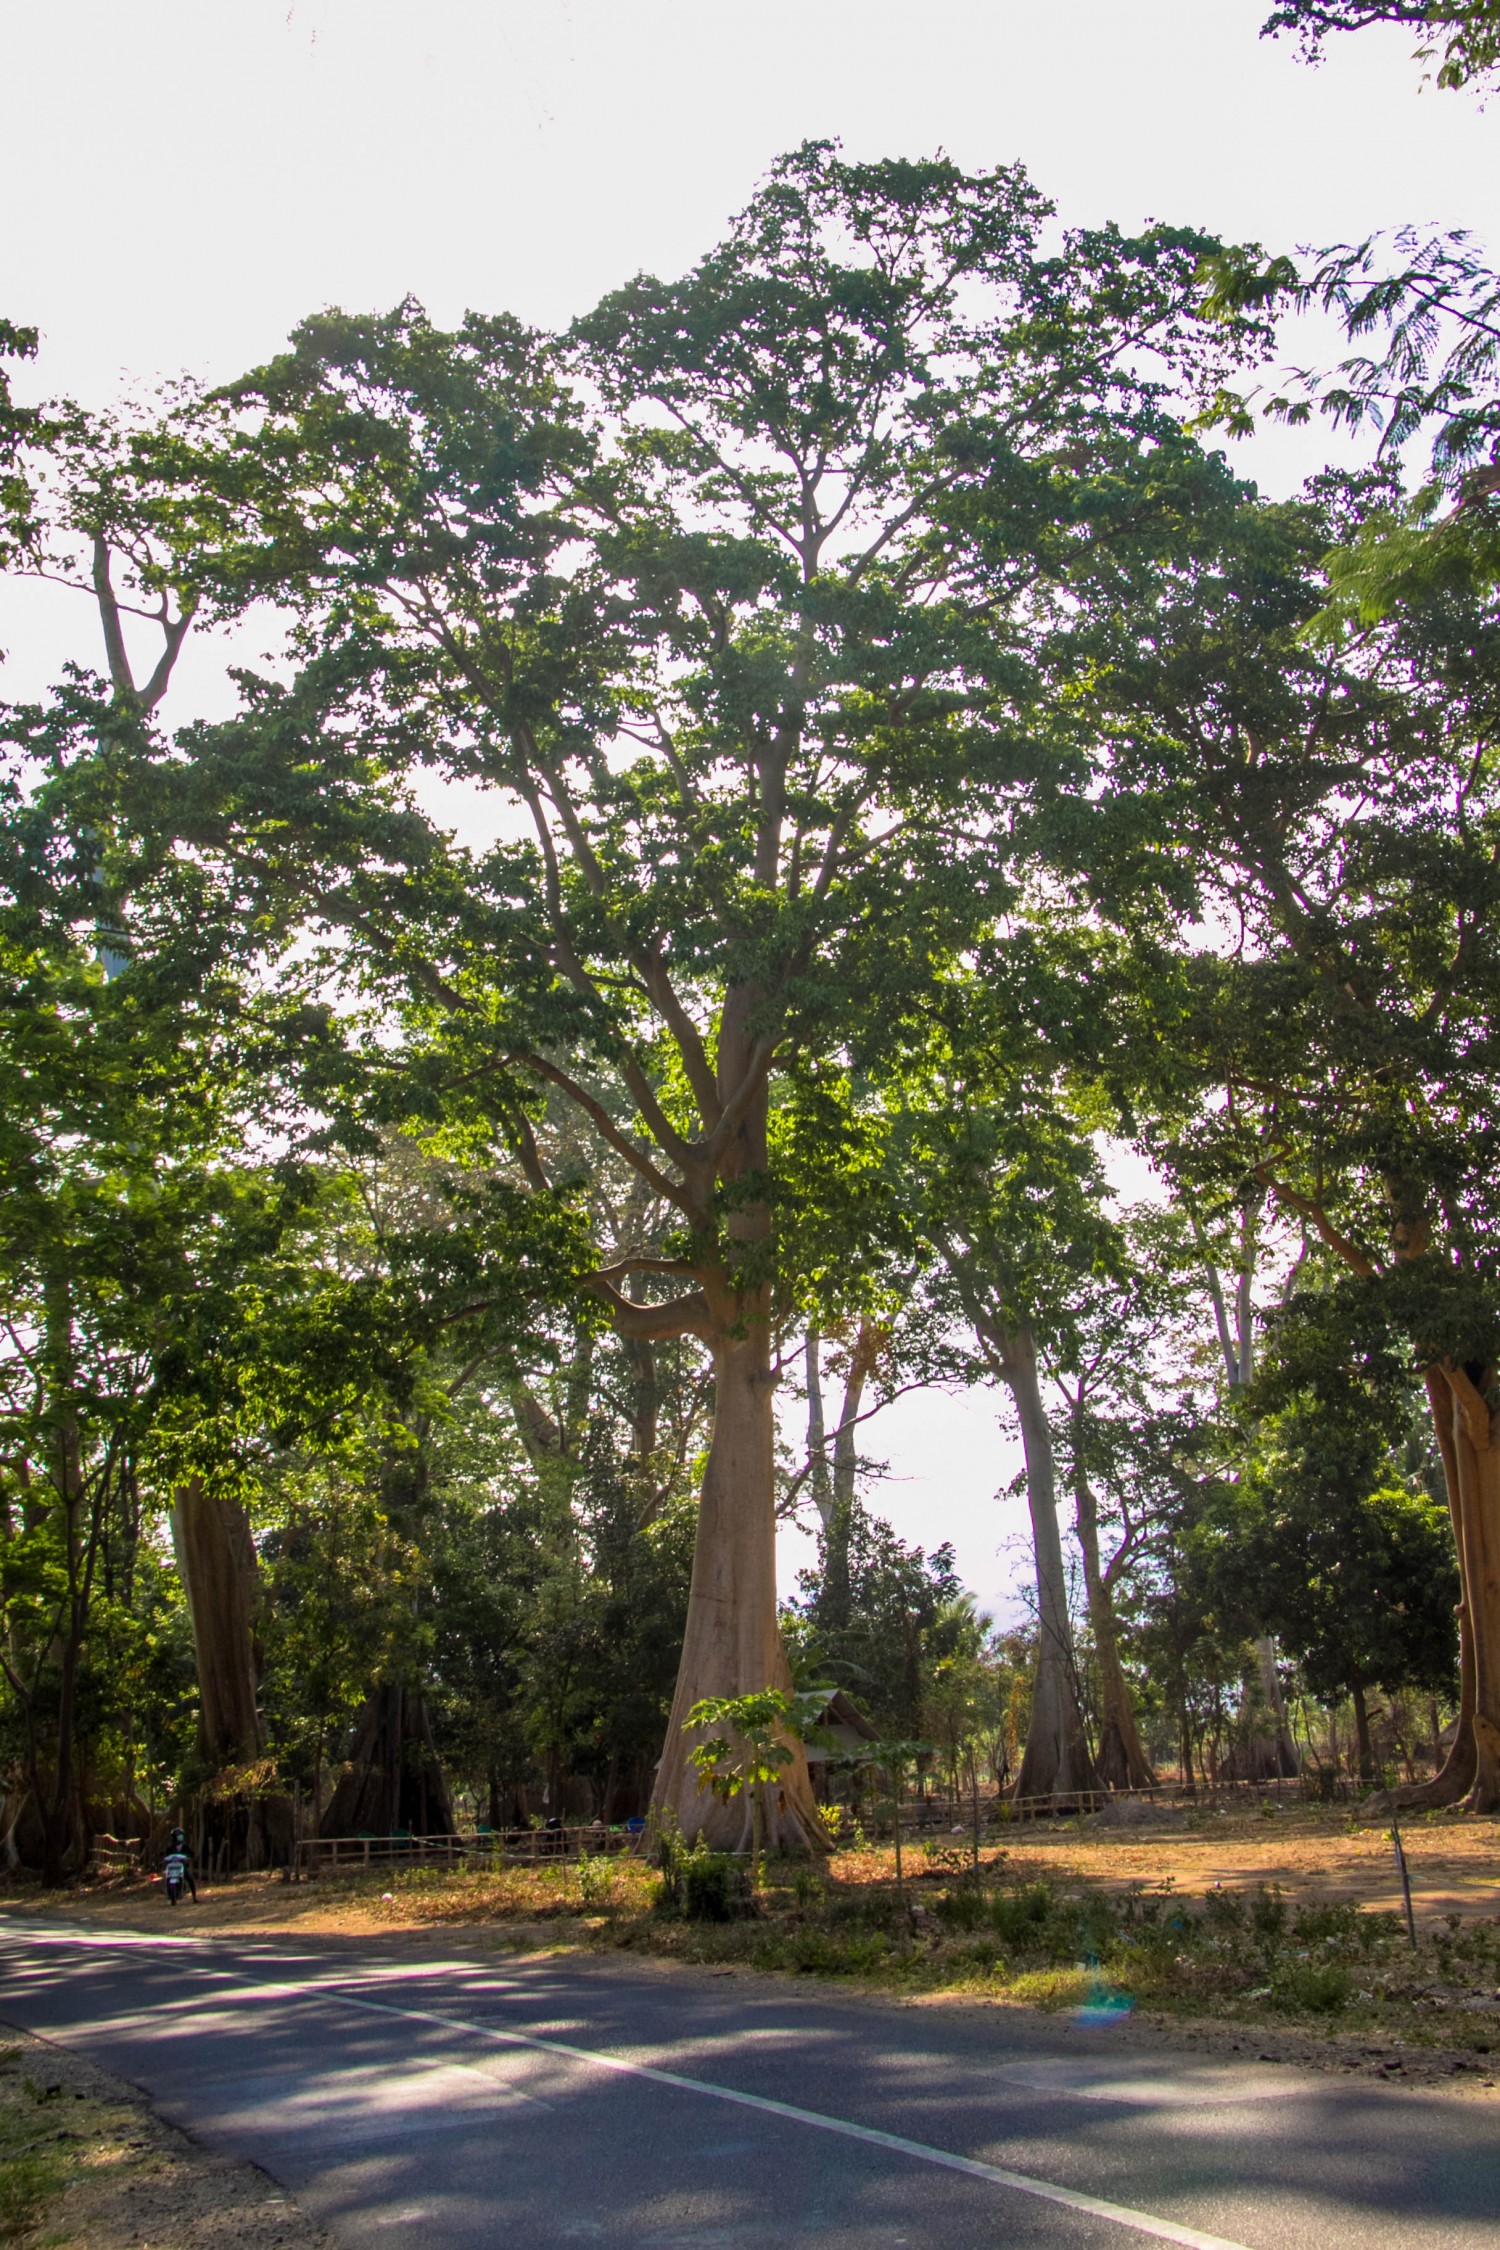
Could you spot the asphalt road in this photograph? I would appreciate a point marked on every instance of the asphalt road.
(455, 2101)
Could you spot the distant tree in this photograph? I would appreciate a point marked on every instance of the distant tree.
(1339, 804)
(1350, 1562)
(869, 1628)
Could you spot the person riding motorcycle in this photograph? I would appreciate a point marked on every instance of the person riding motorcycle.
(177, 1867)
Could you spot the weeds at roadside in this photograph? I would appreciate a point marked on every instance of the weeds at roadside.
(1017, 1929)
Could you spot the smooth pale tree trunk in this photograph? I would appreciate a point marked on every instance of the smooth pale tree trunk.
(59, 1798)
(732, 1645)
(1122, 1760)
(1459, 1772)
(732, 1642)
(819, 1473)
(835, 1493)
(1285, 1749)
(1474, 1447)
(216, 1561)
(1262, 1757)
(1057, 1760)
(645, 1398)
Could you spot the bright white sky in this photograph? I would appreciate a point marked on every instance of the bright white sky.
(184, 179)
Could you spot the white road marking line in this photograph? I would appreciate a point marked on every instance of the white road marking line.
(1022, 2183)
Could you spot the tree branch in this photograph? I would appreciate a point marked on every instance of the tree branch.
(636, 1156)
(655, 1324)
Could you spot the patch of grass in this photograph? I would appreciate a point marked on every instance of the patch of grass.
(1021, 1917)
(27, 2185)
(1053, 1989)
(1319, 1987)
(30, 2177)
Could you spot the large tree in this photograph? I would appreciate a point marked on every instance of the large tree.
(729, 600)
(1330, 1010)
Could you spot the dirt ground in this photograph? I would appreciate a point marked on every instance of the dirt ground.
(1453, 1859)
(83, 2159)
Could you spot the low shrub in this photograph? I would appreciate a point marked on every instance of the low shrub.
(964, 1909)
(1320, 1987)
(596, 1880)
(1019, 1918)
(808, 1886)
(1268, 1911)
(714, 1887)
(823, 1953)
(27, 2184)
(1315, 1925)
(1098, 1927)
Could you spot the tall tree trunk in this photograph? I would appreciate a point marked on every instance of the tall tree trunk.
(819, 1472)
(1288, 1762)
(1263, 1756)
(64, 1829)
(1122, 1760)
(221, 1580)
(837, 1598)
(216, 1560)
(392, 1778)
(1056, 1759)
(1459, 1772)
(1474, 1435)
(1364, 1748)
(732, 1645)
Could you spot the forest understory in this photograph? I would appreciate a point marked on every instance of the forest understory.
(1272, 1936)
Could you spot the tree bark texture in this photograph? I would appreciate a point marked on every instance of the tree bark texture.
(1056, 1760)
(1288, 1762)
(1122, 1760)
(1459, 1772)
(392, 1779)
(841, 1488)
(817, 1431)
(1263, 1753)
(1262, 1756)
(1473, 1447)
(216, 1559)
(242, 1826)
(60, 1802)
(1364, 1750)
(732, 1645)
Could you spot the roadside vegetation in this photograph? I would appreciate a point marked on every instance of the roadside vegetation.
(85, 2162)
(1251, 1959)
(1063, 1926)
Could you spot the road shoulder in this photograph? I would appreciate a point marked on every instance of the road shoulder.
(85, 2159)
